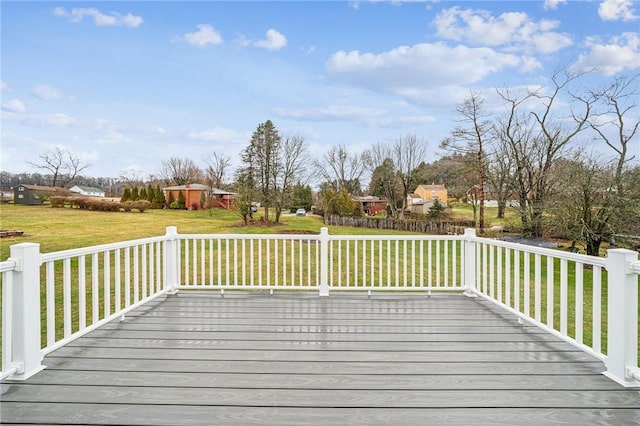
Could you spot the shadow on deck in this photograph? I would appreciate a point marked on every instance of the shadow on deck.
(199, 358)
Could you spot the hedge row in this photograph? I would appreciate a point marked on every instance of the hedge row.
(98, 204)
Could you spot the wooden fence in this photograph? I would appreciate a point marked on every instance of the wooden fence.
(411, 225)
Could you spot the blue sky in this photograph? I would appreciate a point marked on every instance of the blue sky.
(126, 85)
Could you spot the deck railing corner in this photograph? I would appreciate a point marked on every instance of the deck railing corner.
(22, 355)
(622, 354)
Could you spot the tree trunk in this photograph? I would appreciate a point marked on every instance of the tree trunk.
(593, 245)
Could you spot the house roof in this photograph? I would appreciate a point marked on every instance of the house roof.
(368, 199)
(88, 188)
(197, 187)
(432, 187)
(43, 188)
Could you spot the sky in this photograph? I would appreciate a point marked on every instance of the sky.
(127, 85)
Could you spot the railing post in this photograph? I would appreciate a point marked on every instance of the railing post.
(171, 259)
(324, 261)
(470, 262)
(622, 325)
(25, 321)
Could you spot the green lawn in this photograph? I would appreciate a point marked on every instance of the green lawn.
(65, 228)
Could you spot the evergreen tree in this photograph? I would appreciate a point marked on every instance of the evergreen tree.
(151, 195)
(126, 196)
(181, 200)
(301, 197)
(436, 210)
(171, 198)
(143, 193)
(159, 199)
(135, 195)
(262, 156)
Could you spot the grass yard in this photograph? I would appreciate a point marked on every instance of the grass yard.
(65, 228)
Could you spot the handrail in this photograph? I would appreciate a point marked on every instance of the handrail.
(59, 255)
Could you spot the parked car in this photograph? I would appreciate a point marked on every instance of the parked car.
(301, 212)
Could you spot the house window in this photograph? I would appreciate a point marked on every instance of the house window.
(20, 195)
(21, 188)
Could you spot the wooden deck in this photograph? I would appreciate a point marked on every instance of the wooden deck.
(199, 358)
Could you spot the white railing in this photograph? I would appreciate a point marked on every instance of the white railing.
(406, 262)
(588, 301)
(581, 299)
(83, 289)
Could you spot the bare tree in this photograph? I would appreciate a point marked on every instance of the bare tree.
(385, 181)
(217, 167)
(293, 160)
(180, 171)
(407, 153)
(587, 207)
(617, 108)
(471, 138)
(132, 177)
(500, 174)
(537, 140)
(341, 169)
(63, 165)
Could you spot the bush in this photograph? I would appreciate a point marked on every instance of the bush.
(58, 201)
(127, 206)
(141, 205)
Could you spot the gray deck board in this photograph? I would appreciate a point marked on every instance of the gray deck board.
(199, 358)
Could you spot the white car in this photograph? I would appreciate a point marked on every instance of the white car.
(301, 212)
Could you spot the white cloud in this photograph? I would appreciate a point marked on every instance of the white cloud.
(619, 54)
(552, 4)
(616, 10)
(511, 30)
(330, 113)
(47, 93)
(100, 19)
(409, 70)
(14, 106)
(274, 41)
(4, 87)
(60, 120)
(204, 35)
(219, 134)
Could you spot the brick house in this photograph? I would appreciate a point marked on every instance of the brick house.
(193, 195)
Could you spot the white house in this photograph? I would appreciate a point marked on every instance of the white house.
(87, 191)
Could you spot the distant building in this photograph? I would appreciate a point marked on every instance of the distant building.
(371, 205)
(193, 195)
(424, 197)
(87, 191)
(35, 194)
(432, 192)
(490, 197)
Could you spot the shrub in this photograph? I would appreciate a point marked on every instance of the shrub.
(174, 205)
(127, 206)
(58, 201)
(141, 205)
